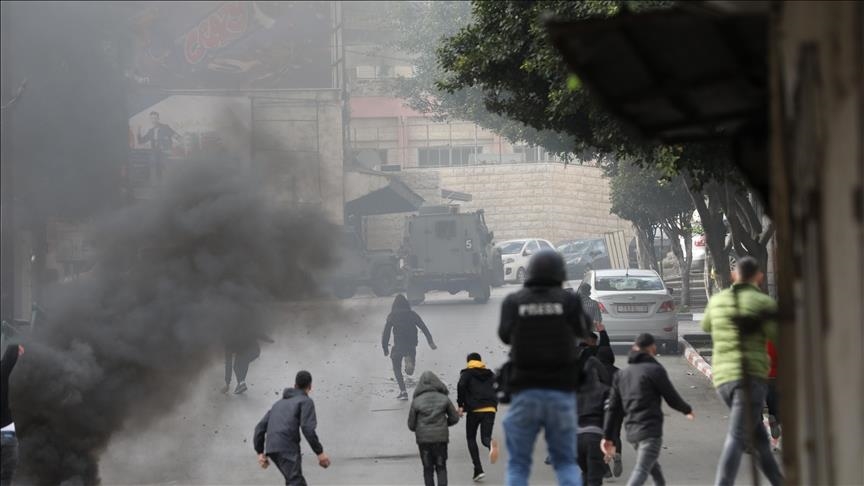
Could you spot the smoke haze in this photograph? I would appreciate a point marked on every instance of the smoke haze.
(174, 275)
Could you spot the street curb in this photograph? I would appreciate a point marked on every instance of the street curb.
(696, 360)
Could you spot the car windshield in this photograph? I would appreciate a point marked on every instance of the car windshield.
(622, 283)
(574, 247)
(511, 247)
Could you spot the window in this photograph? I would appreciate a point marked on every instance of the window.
(446, 156)
(545, 246)
(512, 247)
(599, 246)
(365, 72)
(532, 247)
(627, 283)
(404, 71)
(534, 153)
(445, 230)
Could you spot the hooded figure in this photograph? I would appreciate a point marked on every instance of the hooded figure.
(589, 305)
(430, 415)
(403, 324)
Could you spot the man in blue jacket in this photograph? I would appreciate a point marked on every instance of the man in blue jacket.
(281, 428)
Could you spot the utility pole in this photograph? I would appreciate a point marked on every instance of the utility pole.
(7, 198)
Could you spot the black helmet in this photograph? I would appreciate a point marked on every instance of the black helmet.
(546, 267)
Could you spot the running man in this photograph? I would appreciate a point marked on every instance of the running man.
(403, 324)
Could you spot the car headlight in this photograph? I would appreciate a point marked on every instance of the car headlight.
(509, 260)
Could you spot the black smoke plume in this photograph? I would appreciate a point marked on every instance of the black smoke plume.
(174, 275)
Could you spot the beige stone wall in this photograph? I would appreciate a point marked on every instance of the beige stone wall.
(550, 201)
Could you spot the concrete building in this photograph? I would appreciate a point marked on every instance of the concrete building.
(524, 190)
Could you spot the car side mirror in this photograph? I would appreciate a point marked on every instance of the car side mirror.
(670, 290)
(526, 253)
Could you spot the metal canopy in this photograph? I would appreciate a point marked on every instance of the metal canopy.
(675, 75)
(377, 193)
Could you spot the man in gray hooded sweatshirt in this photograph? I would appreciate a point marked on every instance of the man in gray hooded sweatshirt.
(429, 418)
(281, 427)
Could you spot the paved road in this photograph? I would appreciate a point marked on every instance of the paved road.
(207, 440)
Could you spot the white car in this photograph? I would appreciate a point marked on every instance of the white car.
(635, 301)
(515, 255)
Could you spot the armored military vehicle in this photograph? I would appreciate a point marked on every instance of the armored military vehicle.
(357, 266)
(444, 249)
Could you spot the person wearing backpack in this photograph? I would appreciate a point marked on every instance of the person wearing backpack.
(429, 417)
(476, 396)
(542, 323)
(740, 321)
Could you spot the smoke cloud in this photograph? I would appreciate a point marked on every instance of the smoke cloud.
(175, 274)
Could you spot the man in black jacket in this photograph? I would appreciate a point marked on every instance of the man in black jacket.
(542, 322)
(9, 445)
(636, 394)
(591, 396)
(403, 323)
(475, 394)
(281, 427)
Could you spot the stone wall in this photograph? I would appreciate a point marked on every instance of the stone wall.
(550, 201)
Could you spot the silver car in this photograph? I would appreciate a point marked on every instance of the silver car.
(635, 301)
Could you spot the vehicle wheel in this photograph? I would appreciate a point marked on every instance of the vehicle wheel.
(521, 274)
(670, 347)
(384, 281)
(483, 296)
(345, 291)
(416, 294)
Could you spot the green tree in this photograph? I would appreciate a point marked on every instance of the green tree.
(649, 200)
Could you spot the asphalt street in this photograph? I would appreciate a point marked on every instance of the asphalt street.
(208, 439)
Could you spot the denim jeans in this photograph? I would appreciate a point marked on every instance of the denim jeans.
(9, 450)
(647, 455)
(553, 411)
(410, 357)
(732, 394)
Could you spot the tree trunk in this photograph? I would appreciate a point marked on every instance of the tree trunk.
(708, 206)
(680, 228)
(645, 242)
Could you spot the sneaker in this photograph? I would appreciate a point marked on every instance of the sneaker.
(241, 387)
(494, 451)
(617, 466)
(775, 426)
(225, 388)
(479, 475)
(402, 396)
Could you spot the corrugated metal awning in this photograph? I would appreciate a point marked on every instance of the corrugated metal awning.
(675, 75)
(370, 192)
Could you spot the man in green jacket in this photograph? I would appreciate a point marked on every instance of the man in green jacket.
(740, 320)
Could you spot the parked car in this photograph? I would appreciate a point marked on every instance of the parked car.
(583, 255)
(516, 253)
(635, 301)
